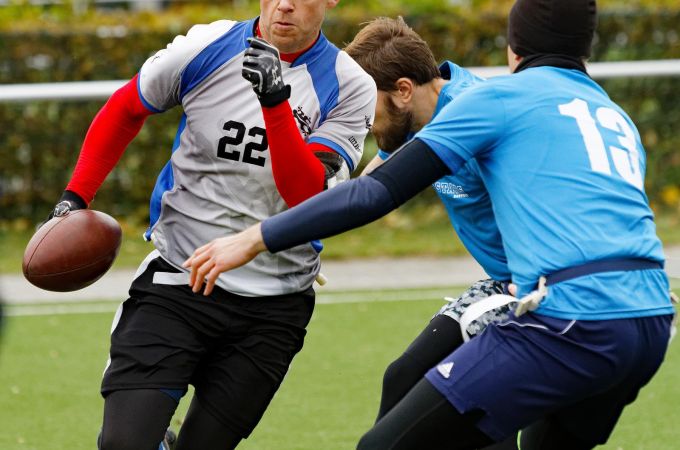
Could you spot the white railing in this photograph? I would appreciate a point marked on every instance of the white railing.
(84, 3)
(98, 90)
(80, 6)
(78, 90)
(602, 70)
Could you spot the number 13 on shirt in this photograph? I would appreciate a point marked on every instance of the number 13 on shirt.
(626, 160)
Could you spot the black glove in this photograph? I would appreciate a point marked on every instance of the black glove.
(262, 67)
(69, 201)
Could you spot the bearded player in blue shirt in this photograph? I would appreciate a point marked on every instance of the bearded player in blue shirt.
(564, 167)
(412, 90)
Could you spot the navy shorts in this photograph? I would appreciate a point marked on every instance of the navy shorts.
(578, 373)
(234, 350)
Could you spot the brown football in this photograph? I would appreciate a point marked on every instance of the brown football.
(71, 252)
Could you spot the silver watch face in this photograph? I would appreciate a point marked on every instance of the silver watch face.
(62, 208)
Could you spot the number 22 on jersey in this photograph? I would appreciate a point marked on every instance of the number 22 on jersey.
(626, 160)
(225, 146)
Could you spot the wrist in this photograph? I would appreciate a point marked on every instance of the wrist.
(74, 199)
(275, 98)
(255, 239)
(69, 201)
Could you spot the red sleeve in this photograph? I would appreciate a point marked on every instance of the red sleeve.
(298, 174)
(112, 129)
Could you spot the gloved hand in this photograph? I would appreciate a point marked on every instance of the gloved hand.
(262, 67)
(69, 201)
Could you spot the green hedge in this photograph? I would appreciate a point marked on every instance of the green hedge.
(39, 142)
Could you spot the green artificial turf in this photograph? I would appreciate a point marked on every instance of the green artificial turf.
(51, 365)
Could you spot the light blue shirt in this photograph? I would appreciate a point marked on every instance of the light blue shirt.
(564, 167)
(464, 195)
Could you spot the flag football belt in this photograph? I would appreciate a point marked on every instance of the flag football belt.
(531, 301)
(607, 265)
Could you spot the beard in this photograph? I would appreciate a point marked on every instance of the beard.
(397, 131)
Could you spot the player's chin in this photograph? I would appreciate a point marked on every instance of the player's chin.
(286, 39)
(285, 34)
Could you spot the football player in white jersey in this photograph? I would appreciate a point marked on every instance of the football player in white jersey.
(273, 114)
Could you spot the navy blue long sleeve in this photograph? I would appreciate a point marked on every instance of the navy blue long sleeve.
(357, 202)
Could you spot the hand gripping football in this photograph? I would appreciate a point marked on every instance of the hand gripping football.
(73, 251)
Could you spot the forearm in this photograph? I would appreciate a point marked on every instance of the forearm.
(350, 205)
(356, 202)
(112, 129)
(298, 174)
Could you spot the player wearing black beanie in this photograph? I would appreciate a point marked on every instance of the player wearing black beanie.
(554, 27)
(562, 29)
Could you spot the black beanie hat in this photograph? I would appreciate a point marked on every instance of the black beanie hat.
(564, 27)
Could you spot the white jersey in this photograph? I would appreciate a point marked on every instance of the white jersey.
(219, 179)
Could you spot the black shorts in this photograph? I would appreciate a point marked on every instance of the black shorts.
(234, 350)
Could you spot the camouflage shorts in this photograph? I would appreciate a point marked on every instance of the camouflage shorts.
(478, 291)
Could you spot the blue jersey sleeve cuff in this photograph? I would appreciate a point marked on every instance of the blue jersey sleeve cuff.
(383, 155)
(146, 104)
(339, 150)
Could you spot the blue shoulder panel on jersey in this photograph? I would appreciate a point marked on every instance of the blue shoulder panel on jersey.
(146, 104)
(164, 183)
(320, 61)
(215, 55)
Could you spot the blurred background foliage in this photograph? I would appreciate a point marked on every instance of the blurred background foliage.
(77, 40)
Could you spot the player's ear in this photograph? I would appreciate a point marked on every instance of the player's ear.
(330, 4)
(513, 59)
(405, 89)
